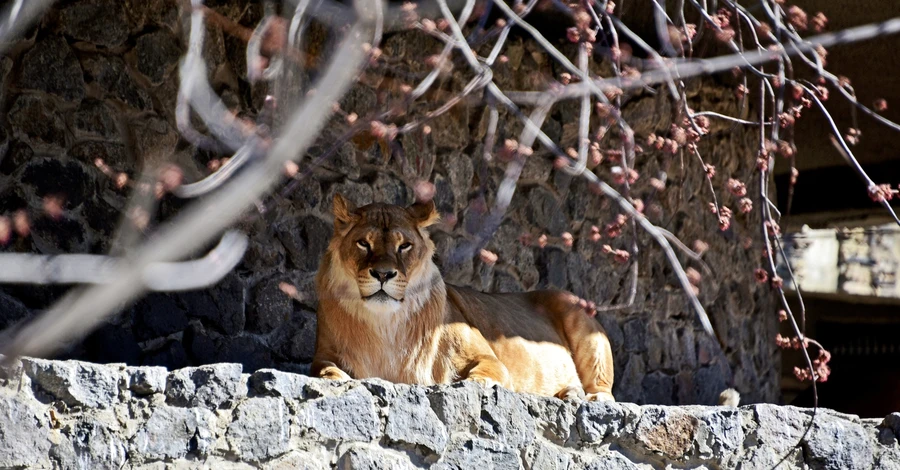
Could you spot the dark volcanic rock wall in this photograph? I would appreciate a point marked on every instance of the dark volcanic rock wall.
(97, 79)
(79, 415)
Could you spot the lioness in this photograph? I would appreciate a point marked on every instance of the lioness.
(385, 311)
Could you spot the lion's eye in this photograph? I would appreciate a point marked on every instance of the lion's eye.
(404, 247)
(364, 245)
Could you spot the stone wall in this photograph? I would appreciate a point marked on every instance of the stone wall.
(857, 261)
(98, 79)
(81, 415)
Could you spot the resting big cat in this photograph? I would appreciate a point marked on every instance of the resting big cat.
(385, 311)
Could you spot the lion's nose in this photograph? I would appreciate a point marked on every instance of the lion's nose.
(383, 275)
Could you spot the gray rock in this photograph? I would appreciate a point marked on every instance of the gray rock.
(101, 22)
(635, 332)
(350, 416)
(300, 460)
(460, 171)
(212, 386)
(305, 240)
(113, 154)
(543, 456)
(667, 431)
(24, 436)
(383, 391)
(892, 423)
(158, 315)
(659, 388)
(6, 65)
(505, 418)
(390, 190)
(457, 405)
(720, 434)
(553, 268)
(709, 383)
(465, 453)
(94, 118)
(341, 160)
(597, 421)
(156, 54)
(611, 461)
(146, 380)
(94, 445)
(51, 66)
(67, 234)
(411, 420)
(271, 307)
(261, 429)
(835, 443)
(11, 310)
(173, 433)
(73, 382)
(365, 457)
(223, 307)
(38, 122)
(554, 418)
(275, 383)
(627, 386)
(295, 339)
(357, 193)
(307, 195)
(444, 199)
(112, 78)
(771, 434)
(543, 210)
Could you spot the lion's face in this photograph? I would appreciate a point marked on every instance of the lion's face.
(383, 248)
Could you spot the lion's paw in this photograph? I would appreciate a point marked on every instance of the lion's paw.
(571, 393)
(333, 373)
(487, 382)
(600, 396)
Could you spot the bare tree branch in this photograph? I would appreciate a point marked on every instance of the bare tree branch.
(21, 268)
(202, 221)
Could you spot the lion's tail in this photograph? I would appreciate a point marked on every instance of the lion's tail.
(729, 397)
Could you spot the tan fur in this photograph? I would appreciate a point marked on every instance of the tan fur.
(420, 330)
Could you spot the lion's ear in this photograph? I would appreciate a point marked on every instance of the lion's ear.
(424, 213)
(343, 211)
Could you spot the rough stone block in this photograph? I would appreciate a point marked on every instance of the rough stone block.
(505, 418)
(51, 66)
(667, 431)
(24, 436)
(835, 443)
(38, 122)
(597, 421)
(73, 382)
(156, 54)
(411, 420)
(466, 453)
(146, 380)
(101, 22)
(350, 416)
(92, 444)
(300, 460)
(173, 433)
(365, 457)
(611, 461)
(543, 456)
(211, 386)
(260, 430)
(275, 383)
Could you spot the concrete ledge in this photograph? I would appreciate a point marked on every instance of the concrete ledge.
(71, 414)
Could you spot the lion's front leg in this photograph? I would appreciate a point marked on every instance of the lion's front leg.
(486, 370)
(328, 370)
